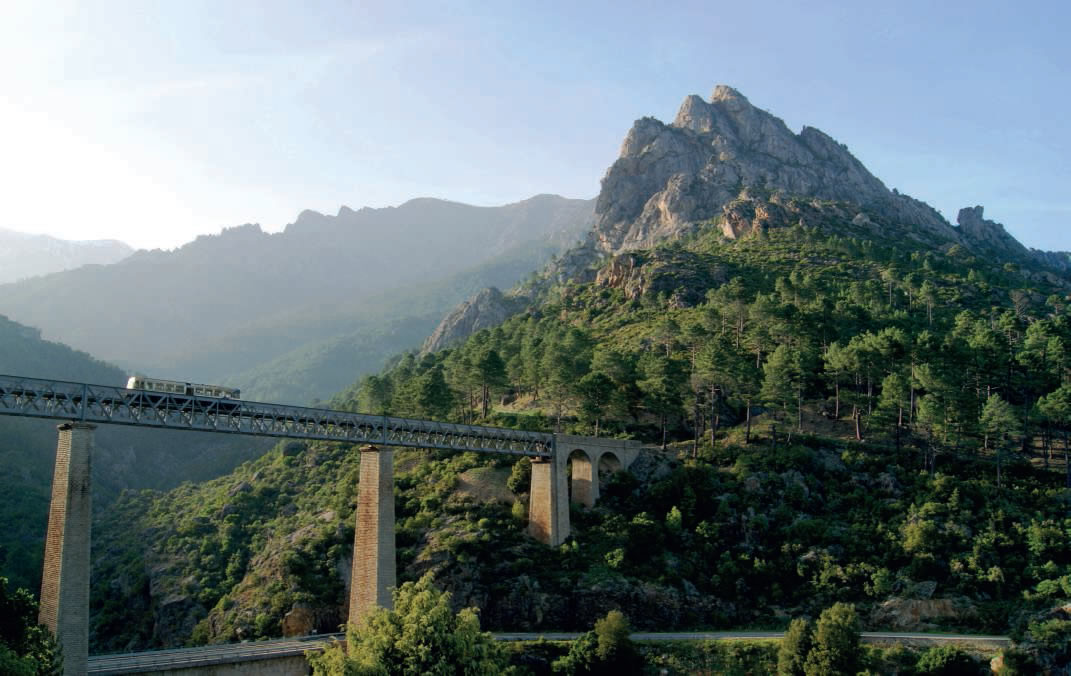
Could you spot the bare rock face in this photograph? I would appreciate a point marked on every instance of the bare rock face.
(990, 237)
(669, 178)
(304, 619)
(486, 309)
(921, 614)
(678, 275)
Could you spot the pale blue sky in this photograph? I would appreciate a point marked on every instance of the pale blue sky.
(152, 122)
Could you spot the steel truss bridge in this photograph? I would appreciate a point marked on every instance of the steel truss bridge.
(82, 402)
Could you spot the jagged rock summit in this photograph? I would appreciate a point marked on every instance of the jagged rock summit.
(670, 177)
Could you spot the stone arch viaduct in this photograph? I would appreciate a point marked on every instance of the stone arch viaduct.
(548, 515)
(65, 579)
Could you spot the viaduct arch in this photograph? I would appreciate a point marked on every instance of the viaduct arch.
(548, 515)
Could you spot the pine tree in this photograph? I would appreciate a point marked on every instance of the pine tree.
(783, 379)
(434, 396)
(421, 635)
(596, 391)
(998, 422)
(492, 374)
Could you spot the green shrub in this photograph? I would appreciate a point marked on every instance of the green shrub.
(836, 648)
(947, 660)
(794, 648)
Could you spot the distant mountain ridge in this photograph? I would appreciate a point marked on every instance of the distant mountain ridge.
(189, 312)
(24, 255)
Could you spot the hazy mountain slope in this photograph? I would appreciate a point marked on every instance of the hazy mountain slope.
(157, 308)
(387, 324)
(23, 255)
(123, 458)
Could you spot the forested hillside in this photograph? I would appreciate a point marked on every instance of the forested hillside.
(845, 398)
(847, 416)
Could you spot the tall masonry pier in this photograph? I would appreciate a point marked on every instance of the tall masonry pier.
(374, 567)
(65, 579)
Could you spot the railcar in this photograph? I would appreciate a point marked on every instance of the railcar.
(181, 388)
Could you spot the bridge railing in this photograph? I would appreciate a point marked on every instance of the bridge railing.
(34, 397)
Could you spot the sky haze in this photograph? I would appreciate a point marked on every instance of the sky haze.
(152, 123)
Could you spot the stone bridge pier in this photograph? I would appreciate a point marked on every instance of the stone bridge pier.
(65, 578)
(374, 571)
(548, 511)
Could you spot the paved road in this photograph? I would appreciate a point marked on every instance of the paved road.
(133, 663)
(869, 636)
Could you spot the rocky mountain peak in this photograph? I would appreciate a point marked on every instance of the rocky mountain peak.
(695, 114)
(725, 93)
(669, 178)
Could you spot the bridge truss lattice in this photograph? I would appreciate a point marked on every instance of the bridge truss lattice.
(83, 402)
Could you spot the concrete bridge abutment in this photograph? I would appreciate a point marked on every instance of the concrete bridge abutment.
(374, 572)
(65, 578)
(548, 510)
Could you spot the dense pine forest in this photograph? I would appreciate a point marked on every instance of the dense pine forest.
(836, 413)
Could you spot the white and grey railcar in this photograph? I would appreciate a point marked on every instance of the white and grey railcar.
(176, 387)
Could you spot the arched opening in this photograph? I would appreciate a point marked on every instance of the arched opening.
(609, 465)
(584, 481)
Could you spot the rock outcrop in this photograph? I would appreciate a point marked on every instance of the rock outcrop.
(669, 178)
(677, 275)
(921, 614)
(990, 237)
(987, 235)
(486, 309)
